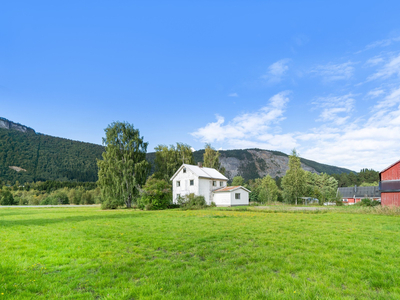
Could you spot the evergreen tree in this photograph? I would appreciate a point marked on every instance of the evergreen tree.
(124, 168)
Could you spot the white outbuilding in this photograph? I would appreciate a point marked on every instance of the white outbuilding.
(209, 183)
(231, 196)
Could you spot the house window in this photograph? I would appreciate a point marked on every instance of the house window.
(184, 170)
(221, 183)
(178, 196)
(237, 196)
(192, 182)
(178, 183)
(214, 183)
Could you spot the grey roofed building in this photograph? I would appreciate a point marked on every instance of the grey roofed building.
(360, 192)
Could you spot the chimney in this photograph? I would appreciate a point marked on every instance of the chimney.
(200, 165)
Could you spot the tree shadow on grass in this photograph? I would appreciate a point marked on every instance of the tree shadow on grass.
(44, 221)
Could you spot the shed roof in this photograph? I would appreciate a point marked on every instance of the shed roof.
(231, 188)
(359, 191)
(202, 172)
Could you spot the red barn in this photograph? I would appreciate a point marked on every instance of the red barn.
(389, 184)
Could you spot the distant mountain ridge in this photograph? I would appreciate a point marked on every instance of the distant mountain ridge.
(44, 157)
(7, 124)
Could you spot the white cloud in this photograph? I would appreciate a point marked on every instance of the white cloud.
(233, 95)
(335, 109)
(253, 129)
(341, 140)
(374, 61)
(332, 72)
(383, 43)
(276, 71)
(390, 68)
(372, 143)
(375, 93)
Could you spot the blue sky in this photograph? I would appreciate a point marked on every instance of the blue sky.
(319, 77)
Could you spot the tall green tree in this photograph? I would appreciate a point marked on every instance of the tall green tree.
(169, 159)
(124, 168)
(294, 181)
(269, 191)
(211, 159)
(6, 198)
(237, 180)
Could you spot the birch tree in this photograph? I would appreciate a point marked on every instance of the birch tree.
(211, 159)
(294, 181)
(124, 168)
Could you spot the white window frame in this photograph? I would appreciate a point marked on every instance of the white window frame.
(191, 182)
(221, 183)
(214, 183)
(184, 170)
(178, 183)
(237, 196)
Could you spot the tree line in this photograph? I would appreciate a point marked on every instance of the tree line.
(123, 177)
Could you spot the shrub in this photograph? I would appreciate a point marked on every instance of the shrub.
(87, 198)
(368, 202)
(22, 201)
(46, 201)
(110, 204)
(6, 198)
(60, 198)
(213, 204)
(192, 201)
(339, 202)
(365, 202)
(156, 194)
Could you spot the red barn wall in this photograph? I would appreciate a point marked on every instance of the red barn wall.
(390, 199)
(393, 173)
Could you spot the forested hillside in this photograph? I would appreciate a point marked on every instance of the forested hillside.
(27, 156)
(44, 157)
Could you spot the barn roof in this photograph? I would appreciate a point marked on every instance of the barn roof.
(231, 188)
(389, 167)
(359, 191)
(202, 172)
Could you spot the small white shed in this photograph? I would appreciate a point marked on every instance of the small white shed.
(231, 196)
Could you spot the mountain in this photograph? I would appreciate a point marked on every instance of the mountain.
(6, 124)
(29, 156)
(256, 163)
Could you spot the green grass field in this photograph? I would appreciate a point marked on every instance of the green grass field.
(86, 253)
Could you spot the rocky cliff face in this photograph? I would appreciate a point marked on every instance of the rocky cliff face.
(255, 163)
(6, 124)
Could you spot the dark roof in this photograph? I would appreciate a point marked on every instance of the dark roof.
(359, 191)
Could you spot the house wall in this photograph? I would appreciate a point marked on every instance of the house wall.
(222, 199)
(244, 197)
(205, 190)
(185, 188)
(202, 186)
(393, 173)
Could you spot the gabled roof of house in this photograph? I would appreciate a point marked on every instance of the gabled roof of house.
(202, 172)
(231, 188)
(359, 191)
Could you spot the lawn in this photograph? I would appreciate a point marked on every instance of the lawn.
(86, 253)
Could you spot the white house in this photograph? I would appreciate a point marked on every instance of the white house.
(205, 182)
